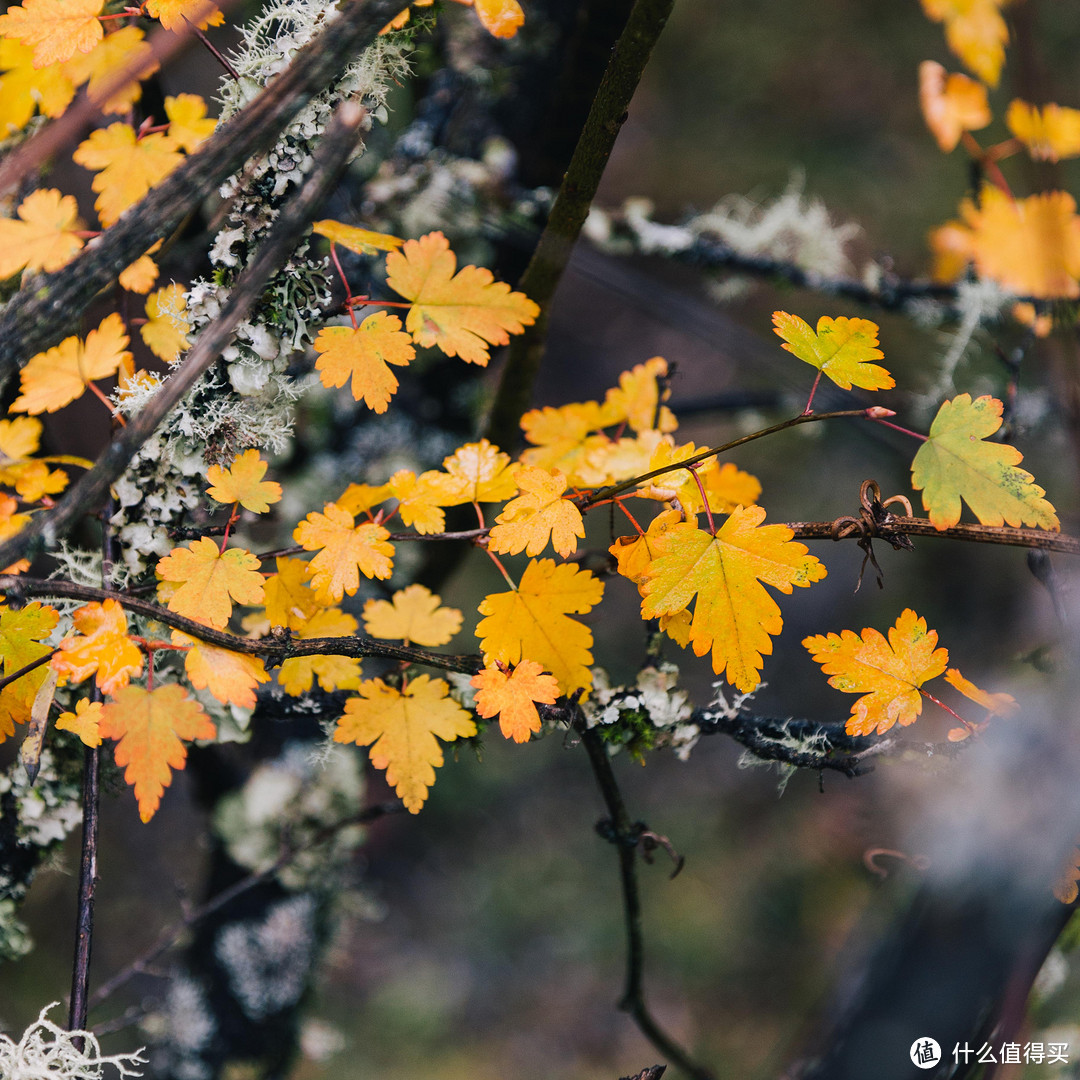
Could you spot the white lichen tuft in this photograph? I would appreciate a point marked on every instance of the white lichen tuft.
(48, 1052)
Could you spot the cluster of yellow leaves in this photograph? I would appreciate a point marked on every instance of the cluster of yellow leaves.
(951, 104)
(975, 30)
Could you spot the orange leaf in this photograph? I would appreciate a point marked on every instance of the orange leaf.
(150, 725)
(53, 379)
(403, 725)
(513, 697)
(500, 18)
(100, 644)
(362, 241)
(175, 14)
(210, 581)
(975, 31)
(733, 614)
(43, 237)
(334, 672)
(887, 673)
(242, 482)
(230, 676)
(537, 515)
(343, 550)
(483, 473)
(956, 462)
(1000, 704)
(637, 399)
(19, 438)
(840, 348)
(58, 29)
(124, 50)
(85, 721)
(21, 634)
(462, 314)
(533, 621)
(413, 614)
(363, 354)
(951, 104)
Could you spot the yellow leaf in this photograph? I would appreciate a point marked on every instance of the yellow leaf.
(482, 472)
(725, 487)
(887, 673)
(140, 276)
(43, 237)
(537, 515)
(22, 631)
(403, 725)
(633, 554)
(24, 88)
(343, 550)
(359, 498)
(362, 241)
(513, 697)
(334, 672)
(19, 438)
(420, 498)
(975, 31)
(611, 461)
(167, 327)
(176, 14)
(150, 725)
(637, 399)
(84, 721)
(209, 580)
(58, 29)
(733, 614)
(127, 167)
(953, 249)
(189, 126)
(363, 354)
(562, 437)
(951, 104)
(124, 50)
(288, 597)
(500, 18)
(242, 482)
(462, 314)
(1050, 134)
(413, 614)
(100, 644)
(533, 622)
(230, 676)
(840, 348)
(955, 462)
(53, 379)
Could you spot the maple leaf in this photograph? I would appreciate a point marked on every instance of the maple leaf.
(127, 167)
(887, 673)
(1049, 134)
(1029, 246)
(333, 672)
(230, 676)
(361, 241)
(482, 472)
(57, 29)
(1000, 704)
(951, 104)
(100, 644)
(633, 554)
(189, 125)
(242, 482)
(421, 498)
(537, 515)
(43, 237)
(533, 622)
(149, 726)
(462, 314)
(167, 327)
(19, 438)
(139, 276)
(956, 463)
(413, 614)
(733, 614)
(637, 399)
(562, 437)
(725, 486)
(288, 597)
(85, 721)
(500, 18)
(513, 697)
(359, 498)
(176, 14)
(210, 581)
(975, 31)
(401, 727)
(55, 378)
(25, 89)
(124, 50)
(840, 348)
(343, 549)
(611, 461)
(363, 354)
(22, 631)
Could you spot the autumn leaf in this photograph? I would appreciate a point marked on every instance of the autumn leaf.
(288, 597)
(733, 614)
(363, 354)
(887, 673)
(360, 498)
(951, 104)
(175, 14)
(32, 479)
(22, 631)
(537, 515)
(414, 614)
(343, 550)
(334, 672)
(25, 89)
(43, 237)
(189, 125)
(53, 379)
(361, 241)
(563, 437)
(57, 29)
(167, 327)
(401, 727)
(633, 554)
(999, 704)
(462, 314)
(725, 486)
(840, 348)
(533, 622)
(124, 50)
(500, 18)
(242, 482)
(955, 462)
(100, 643)
(975, 31)
(231, 677)
(210, 581)
(149, 726)
(85, 721)
(482, 473)
(953, 249)
(637, 399)
(139, 276)
(513, 696)
(127, 167)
